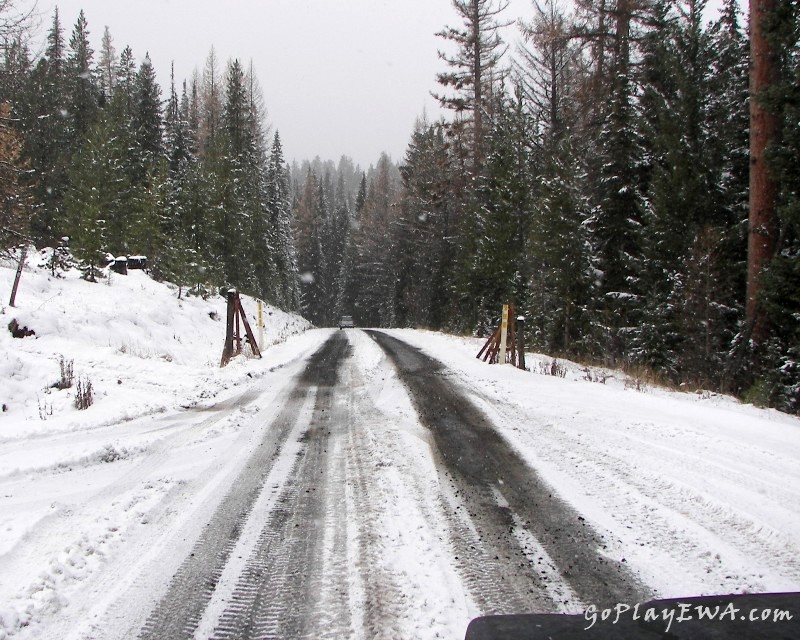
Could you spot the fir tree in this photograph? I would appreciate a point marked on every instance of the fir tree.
(83, 92)
(427, 210)
(107, 70)
(46, 137)
(287, 293)
(147, 117)
(310, 215)
(780, 358)
(475, 70)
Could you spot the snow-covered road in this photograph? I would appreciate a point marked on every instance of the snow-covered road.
(348, 486)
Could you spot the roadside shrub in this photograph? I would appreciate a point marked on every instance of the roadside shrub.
(84, 397)
(67, 374)
(552, 368)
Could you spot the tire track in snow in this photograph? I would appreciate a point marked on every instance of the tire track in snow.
(295, 583)
(478, 463)
(695, 518)
(318, 569)
(181, 608)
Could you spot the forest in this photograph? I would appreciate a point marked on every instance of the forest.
(598, 174)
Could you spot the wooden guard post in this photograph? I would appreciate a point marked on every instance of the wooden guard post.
(22, 254)
(233, 333)
(515, 350)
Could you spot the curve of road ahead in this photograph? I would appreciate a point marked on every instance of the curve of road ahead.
(309, 541)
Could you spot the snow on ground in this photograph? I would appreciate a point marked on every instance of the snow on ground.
(65, 508)
(698, 493)
(141, 348)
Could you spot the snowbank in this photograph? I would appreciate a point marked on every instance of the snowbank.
(142, 349)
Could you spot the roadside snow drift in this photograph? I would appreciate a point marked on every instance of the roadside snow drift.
(142, 349)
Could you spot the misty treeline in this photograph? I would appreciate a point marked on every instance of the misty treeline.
(594, 173)
(193, 179)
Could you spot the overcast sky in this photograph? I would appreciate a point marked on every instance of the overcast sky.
(340, 77)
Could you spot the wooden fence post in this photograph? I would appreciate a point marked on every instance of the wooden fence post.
(503, 335)
(251, 339)
(227, 351)
(260, 325)
(233, 336)
(23, 254)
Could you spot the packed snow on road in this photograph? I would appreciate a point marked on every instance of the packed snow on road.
(352, 483)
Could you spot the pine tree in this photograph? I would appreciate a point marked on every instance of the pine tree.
(558, 257)
(428, 214)
(46, 138)
(615, 180)
(91, 198)
(338, 236)
(125, 90)
(107, 68)
(180, 262)
(310, 218)
(376, 263)
(287, 293)
(15, 68)
(674, 112)
(499, 274)
(780, 300)
(99, 193)
(147, 118)
(210, 103)
(475, 70)
(349, 284)
(83, 92)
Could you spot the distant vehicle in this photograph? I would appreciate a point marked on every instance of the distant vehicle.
(346, 322)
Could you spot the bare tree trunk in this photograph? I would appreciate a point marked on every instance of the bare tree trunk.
(763, 192)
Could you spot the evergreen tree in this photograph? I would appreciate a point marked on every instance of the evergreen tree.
(46, 137)
(83, 92)
(427, 209)
(180, 263)
(147, 119)
(475, 70)
(375, 272)
(15, 69)
(675, 81)
(615, 180)
(287, 292)
(99, 194)
(765, 70)
(107, 68)
(558, 249)
(560, 257)
(209, 103)
(499, 274)
(87, 206)
(780, 365)
(310, 215)
(338, 236)
(125, 90)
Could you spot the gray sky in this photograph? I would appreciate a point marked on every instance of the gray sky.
(339, 76)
